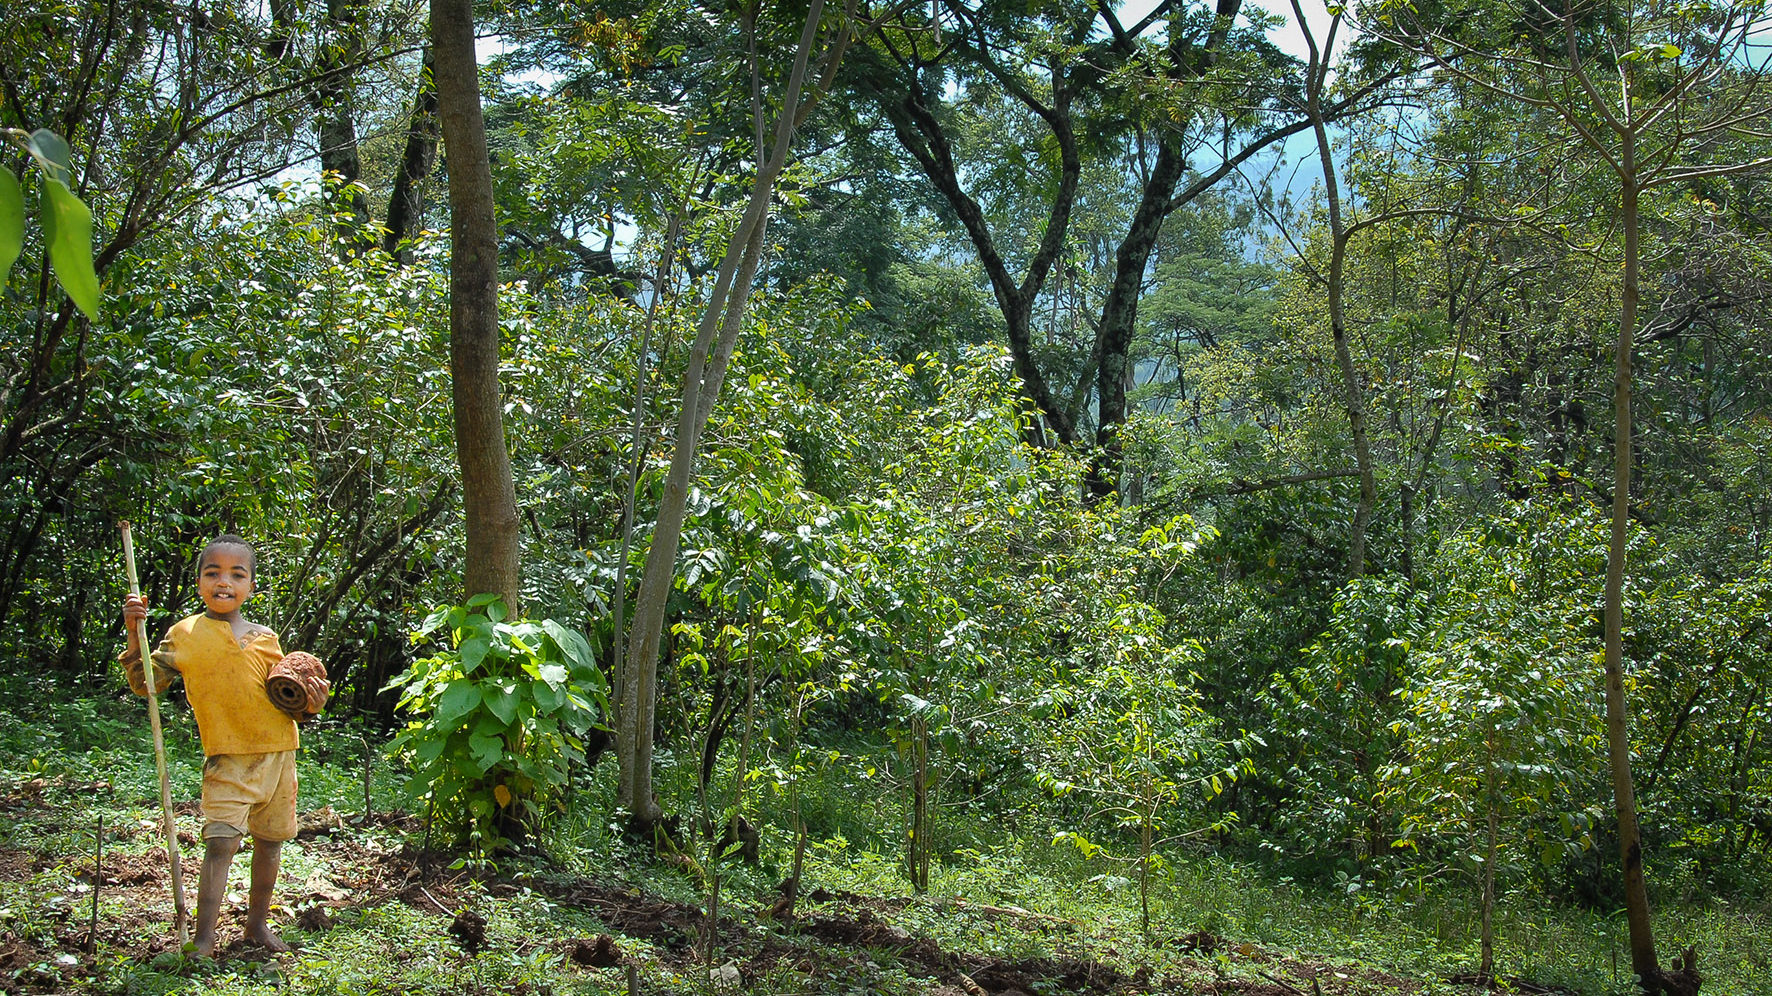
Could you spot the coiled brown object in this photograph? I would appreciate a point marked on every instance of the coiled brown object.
(297, 685)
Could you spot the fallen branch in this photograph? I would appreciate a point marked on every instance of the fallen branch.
(1008, 911)
(1282, 983)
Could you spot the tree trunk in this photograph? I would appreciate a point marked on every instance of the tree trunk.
(405, 204)
(1630, 846)
(1335, 288)
(336, 125)
(488, 494)
(1119, 315)
(708, 357)
(1492, 804)
(921, 133)
(917, 858)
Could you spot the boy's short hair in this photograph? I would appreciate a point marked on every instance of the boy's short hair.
(230, 539)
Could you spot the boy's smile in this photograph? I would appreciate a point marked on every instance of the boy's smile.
(224, 580)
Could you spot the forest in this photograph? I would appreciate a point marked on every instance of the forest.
(952, 497)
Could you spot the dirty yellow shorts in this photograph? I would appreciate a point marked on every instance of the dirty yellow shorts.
(250, 793)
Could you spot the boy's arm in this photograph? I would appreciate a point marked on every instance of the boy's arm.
(165, 668)
(135, 609)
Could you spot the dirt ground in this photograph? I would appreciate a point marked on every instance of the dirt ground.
(831, 934)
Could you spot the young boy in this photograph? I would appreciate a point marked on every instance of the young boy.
(249, 745)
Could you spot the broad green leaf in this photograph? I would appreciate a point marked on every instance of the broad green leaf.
(52, 154)
(473, 650)
(572, 642)
(438, 617)
(484, 598)
(554, 675)
(429, 750)
(460, 698)
(68, 226)
(548, 697)
(502, 699)
(487, 751)
(12, 221)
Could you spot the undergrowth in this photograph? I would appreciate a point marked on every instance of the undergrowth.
(1003, 890)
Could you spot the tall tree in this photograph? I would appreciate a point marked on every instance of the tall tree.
(1335, 283)
(489, 495)
(1661, 96)
(1180, 93)
(716, 338)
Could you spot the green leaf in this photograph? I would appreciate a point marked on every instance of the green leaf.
(502, 698)
(52, 154)
(68, 225)
(487, 750)
(572, 642)
(429, 750)
(437, 618)
(554, 675)
(548, 698)
(484, 598)
(12, 221)
(473, 650)
(460, 698)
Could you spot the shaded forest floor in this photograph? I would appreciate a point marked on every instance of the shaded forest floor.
(374, 912)
(348, 880)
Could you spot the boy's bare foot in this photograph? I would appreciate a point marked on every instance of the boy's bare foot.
(263, 936)
(204, 947)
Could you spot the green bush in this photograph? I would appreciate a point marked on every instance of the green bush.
(496, 720)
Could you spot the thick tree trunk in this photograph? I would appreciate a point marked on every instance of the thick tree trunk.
(406, 204)
(488, 493)
(336, 125)
(1119, 315)
(922, 134)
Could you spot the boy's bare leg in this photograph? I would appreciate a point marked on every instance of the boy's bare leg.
(267, 856)
(218, 854)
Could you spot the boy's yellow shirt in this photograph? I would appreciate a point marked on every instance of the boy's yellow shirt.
(225, 684)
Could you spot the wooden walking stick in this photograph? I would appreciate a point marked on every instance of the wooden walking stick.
(180, 912)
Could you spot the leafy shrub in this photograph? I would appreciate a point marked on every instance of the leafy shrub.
(496, 719)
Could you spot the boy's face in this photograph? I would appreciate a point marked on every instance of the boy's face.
(224, 579)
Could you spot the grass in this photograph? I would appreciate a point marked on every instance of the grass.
(1004, 895)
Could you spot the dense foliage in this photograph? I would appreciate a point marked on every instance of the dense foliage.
(904, 570)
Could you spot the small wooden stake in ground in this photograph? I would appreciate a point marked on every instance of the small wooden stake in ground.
(180, 912)
(368, 800)
(98, 877)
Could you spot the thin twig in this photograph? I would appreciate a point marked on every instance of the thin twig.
(446, 910)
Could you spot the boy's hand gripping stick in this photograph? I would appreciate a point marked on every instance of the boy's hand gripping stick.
(180, 912)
